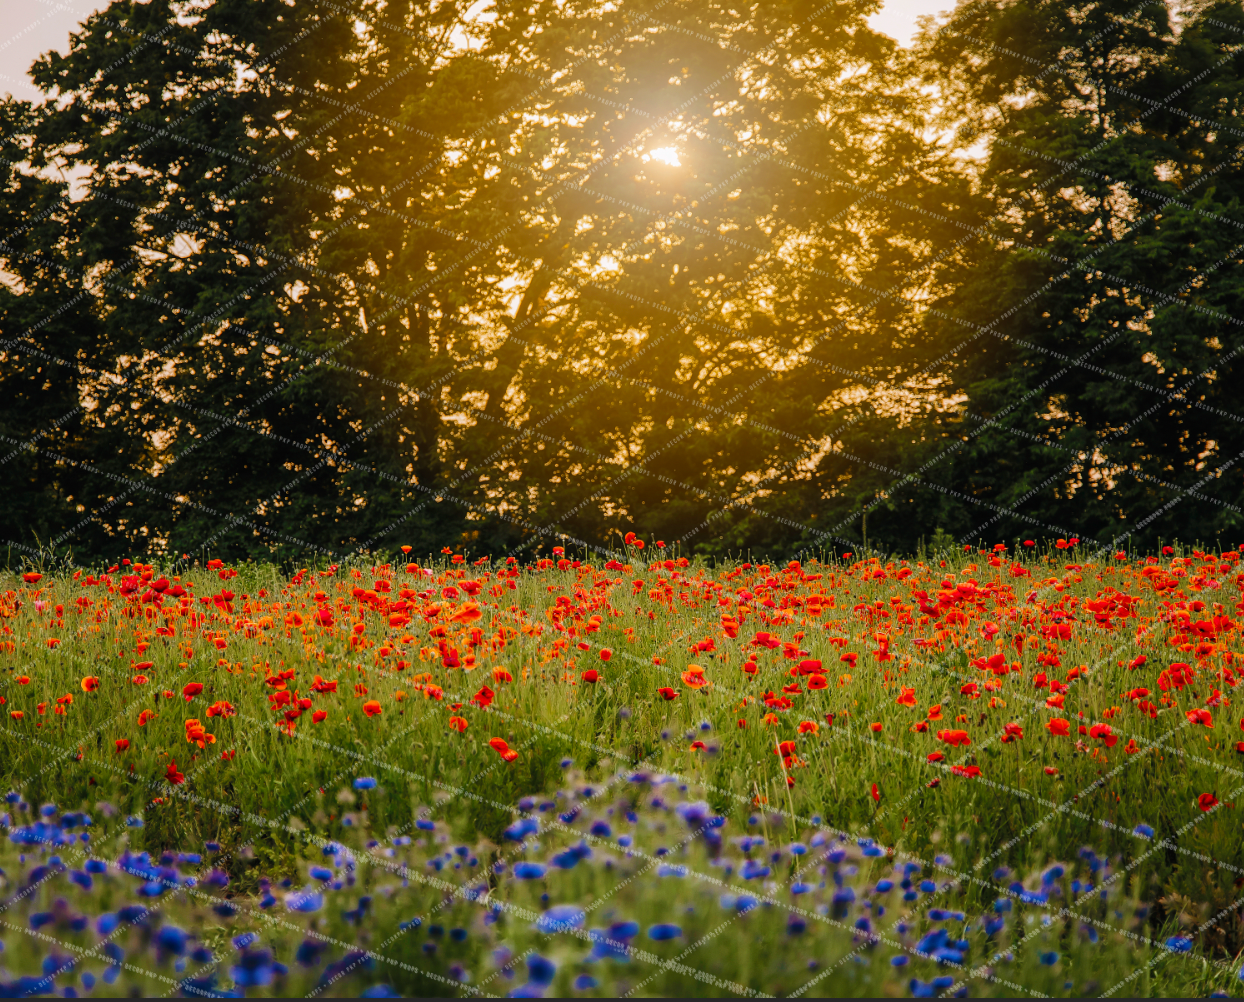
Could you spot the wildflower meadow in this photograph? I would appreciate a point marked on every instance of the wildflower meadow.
(999, 771)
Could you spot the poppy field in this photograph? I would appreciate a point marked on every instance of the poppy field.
(1011, 770)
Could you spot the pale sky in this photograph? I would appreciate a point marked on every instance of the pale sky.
(31, 27)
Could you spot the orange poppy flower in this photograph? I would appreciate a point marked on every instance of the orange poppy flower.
(146, 715)
(808, 727)
(372, 708)
(694, 677)
(458, 724)
(16, 714)
(501, 675)
(935, 712)
(469, 613)
(907, 697)
(90, 683)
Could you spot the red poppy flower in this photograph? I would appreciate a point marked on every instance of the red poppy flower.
(810, 666)
(808, 727)
(32, 577)
(25, 680)
(1059, 727)
(372, 708)
(459, 724)
(697, 746)
(875, 727)
(875, 793)
(221, 708)
(191, 689)
(122, 744)
(503, 749)
(228, 756)
(172, 775)
(668, 693)
(1051, 771)
(501, 675)
(484, 697)
(1012, 732)
(970, 771)
(1103, 733)
(319, 716)
(935, 756)
(817, 683)
(146, 715)
(591, 676)
(605, 653)
(954, 738)
(907, 697)
(935, 712)
(90, 683)
(1207, 801)
(1199, 716)
(750, 668)
(785, 749)
(16, 714)
(743, 726)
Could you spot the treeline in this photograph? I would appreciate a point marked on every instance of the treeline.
(287, 277)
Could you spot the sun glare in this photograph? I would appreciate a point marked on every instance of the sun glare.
(666, 154)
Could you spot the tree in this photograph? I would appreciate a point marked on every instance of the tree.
(403, 275)
(1098, 325)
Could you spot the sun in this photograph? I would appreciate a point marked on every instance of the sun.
(666, 154)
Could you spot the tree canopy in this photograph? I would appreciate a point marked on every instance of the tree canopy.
(286, 278)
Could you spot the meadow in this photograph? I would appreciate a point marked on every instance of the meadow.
(1000, 771)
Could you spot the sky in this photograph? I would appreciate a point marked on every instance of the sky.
(31, 27)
